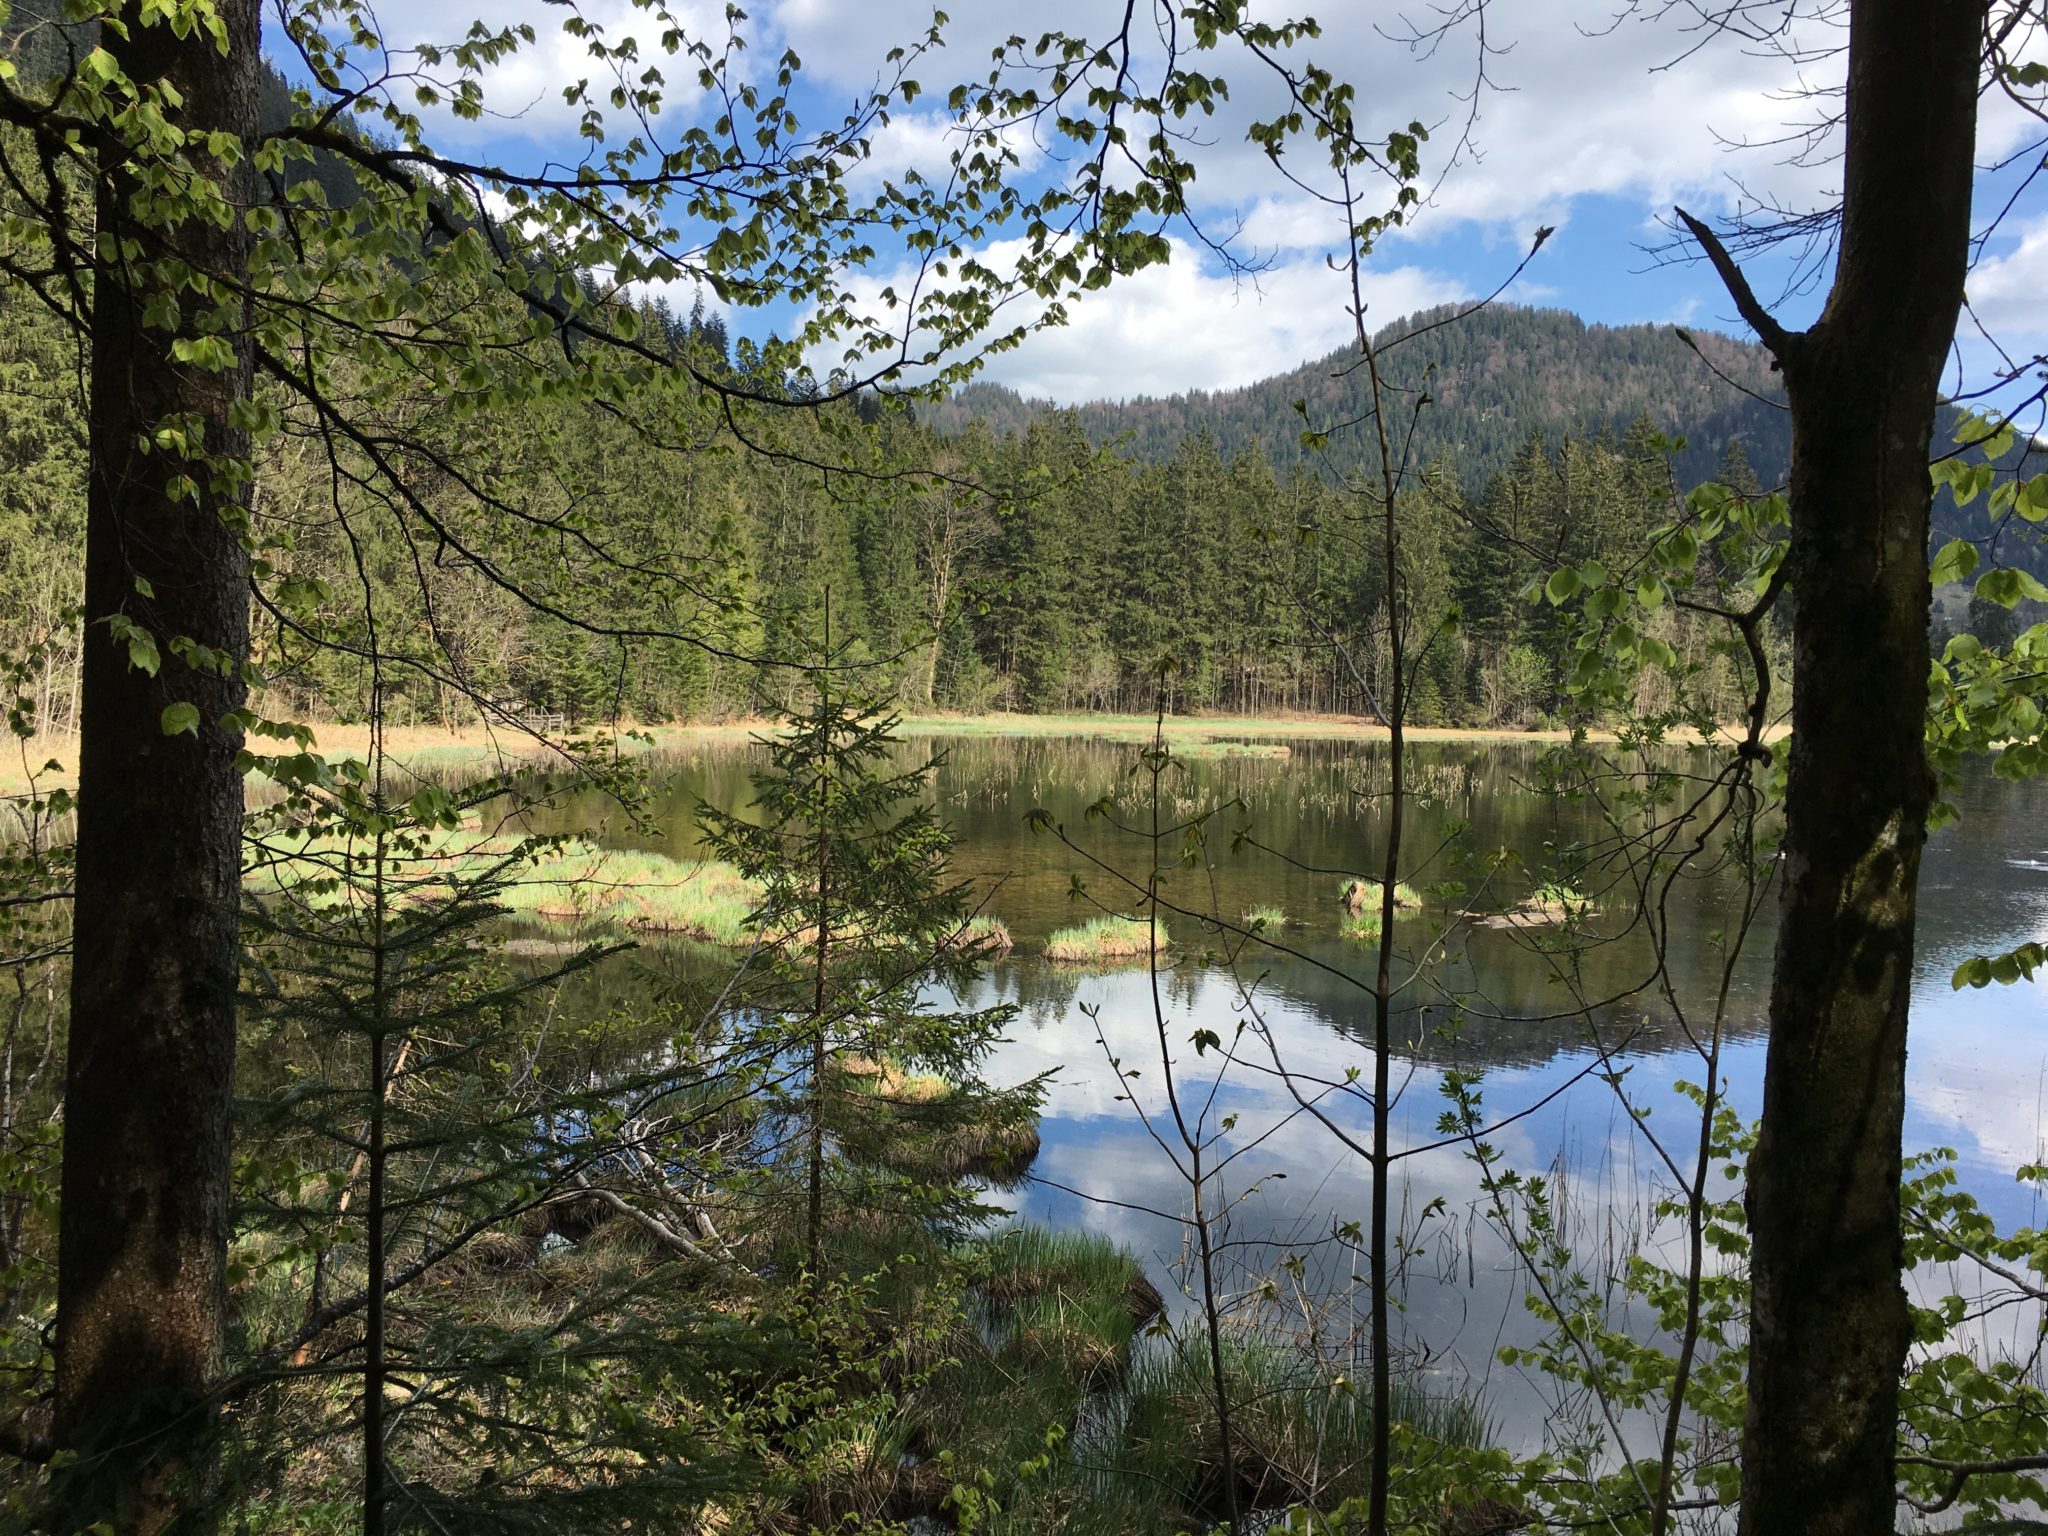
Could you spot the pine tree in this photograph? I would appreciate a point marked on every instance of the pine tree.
(882, 1105)
(493, 1230)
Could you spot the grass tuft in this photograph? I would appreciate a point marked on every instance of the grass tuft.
(1549, 905)
(1359, 896)
(1302, 1431)
(1030, 1261)
(1555, 896)
(1364, 924)
(908, 1121)
(1103, 940)
(987, 937)
(1227, 749)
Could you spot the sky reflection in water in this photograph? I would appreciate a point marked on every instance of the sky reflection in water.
(1978, 1069)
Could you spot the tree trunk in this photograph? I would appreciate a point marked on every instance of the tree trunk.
(144, 1218)
(1830, 1329)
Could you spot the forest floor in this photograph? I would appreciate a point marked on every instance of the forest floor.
(52, 762)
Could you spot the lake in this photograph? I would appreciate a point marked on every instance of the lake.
(1978, 1070)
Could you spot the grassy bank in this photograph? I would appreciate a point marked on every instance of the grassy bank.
(1071, 1333)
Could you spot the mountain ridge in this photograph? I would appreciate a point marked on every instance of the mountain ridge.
(1493, 377)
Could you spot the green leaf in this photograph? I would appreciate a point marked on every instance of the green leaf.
(2007, 587)
(1956, 561)
(1562, 586)
(2005, 969)
(177, 719)
(2032, 501)
(142, 652)
(431, 805)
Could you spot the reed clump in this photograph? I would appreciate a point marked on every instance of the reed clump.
(1301, 1430)
(1360, 896)
(1029, 1261)
(1106, 940)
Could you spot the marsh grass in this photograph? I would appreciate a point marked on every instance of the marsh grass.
(572, 884)
(1087, 1336)
(882, 1078)
(1054, 1314)
(1062, 1343)
(1029, 1261)
(1550, 905)
(1359, 896)
(1226, 749)
(1359, 902)
(1265, 916)
(1361, 925)
(1105, 940)
(1303, 1431)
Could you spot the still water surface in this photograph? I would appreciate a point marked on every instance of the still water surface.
(1978, 1072)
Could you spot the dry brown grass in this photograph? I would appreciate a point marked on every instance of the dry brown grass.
(488, 749)
(884, 1079)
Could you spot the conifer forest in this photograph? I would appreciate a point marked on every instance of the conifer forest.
(1164, 769)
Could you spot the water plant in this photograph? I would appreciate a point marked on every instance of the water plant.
(1555, 896)
(1026, 1261)
(921, 1125)
(1301, 1427)
(1362, 924)
(1549, 905)
(1358, 896)
(1227, 749)
(1088, 1422)
(1106, 939)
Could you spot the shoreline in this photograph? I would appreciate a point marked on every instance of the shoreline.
(422, 746)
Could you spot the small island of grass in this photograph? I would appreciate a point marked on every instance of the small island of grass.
(1106, 940)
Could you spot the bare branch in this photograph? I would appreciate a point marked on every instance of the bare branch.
(1769, 332)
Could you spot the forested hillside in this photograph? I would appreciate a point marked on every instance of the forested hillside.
(1492, 378)
(1056, 576)
(1064, 556)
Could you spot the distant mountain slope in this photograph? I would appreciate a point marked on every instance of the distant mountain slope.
(1494, 377)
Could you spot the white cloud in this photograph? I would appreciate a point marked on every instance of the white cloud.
(2009, 291)
(1578, 104)
(925, 142)
(1187, 324)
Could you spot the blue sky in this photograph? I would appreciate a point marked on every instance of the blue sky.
(1595, 123)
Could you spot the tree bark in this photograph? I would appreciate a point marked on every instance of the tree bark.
(1829, 1328)
(144, 1216)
